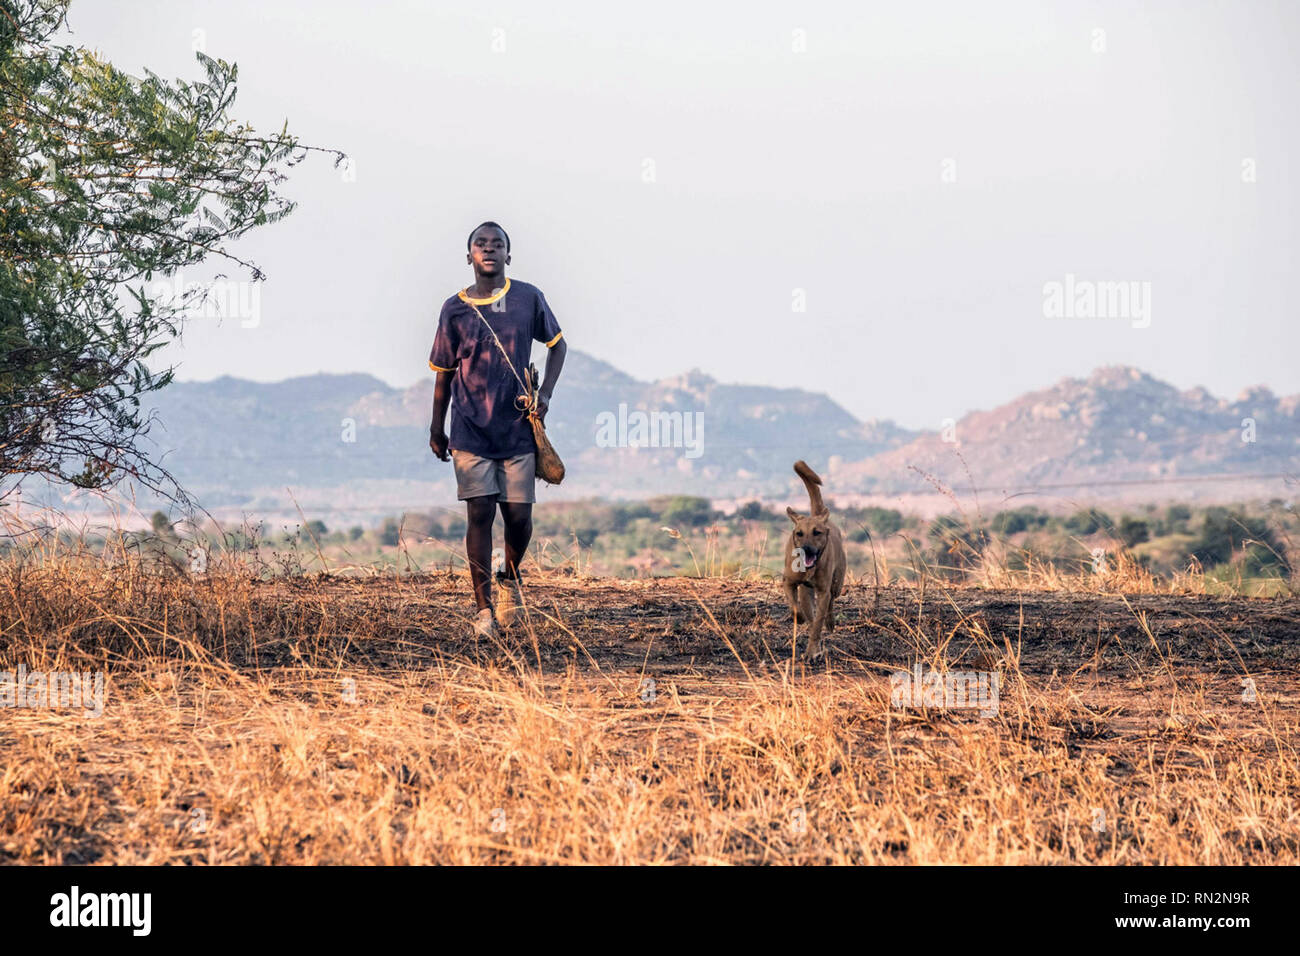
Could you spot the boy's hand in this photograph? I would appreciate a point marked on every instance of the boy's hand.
(438, 442)
(543, 404)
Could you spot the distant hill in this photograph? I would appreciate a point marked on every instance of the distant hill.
(750, 433)
(1117, 425)
(352, 444)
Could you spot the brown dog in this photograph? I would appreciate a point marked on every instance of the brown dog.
(814, 564)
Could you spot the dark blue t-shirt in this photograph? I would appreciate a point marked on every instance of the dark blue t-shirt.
(484, 419)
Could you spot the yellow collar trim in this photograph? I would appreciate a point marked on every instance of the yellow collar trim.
(489, 300)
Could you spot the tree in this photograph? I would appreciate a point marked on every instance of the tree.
(1133, 531)
(1176, 519)
(882, 521)
(161, 525)
(687, 510)
(107, 180)
(620, 516)
(1019, 519)
(956, 543)
(1227, 536)
(875, 522)
(1088, 521)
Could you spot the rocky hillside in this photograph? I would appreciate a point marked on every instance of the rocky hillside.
(1117, 425)
(353, 443)
(236, 442)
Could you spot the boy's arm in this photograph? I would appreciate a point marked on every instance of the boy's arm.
(441, 398)
(554, 363)
(442, 360)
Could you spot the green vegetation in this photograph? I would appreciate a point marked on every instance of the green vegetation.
(1249, 548)
(1088, 521)
(1232, 537)
(109, 182)
(1021, 519)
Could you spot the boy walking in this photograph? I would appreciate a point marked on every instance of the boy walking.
(481, 354)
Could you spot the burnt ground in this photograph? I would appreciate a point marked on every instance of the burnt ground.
(727, 627)
(1136, 664)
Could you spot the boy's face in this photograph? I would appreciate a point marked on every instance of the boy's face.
(487, 252)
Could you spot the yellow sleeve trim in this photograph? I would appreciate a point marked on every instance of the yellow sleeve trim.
(439, 368)
(554, 340)
(489, 300)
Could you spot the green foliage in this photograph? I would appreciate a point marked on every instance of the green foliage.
(1177, 520)
(1088, 521)
(389, 533)
(879, 523)
(882, 521)
(956, 544)
(1133, 531)
(106, 181)
(1018, 520)
(1232, 536)
(623, 515)
(686, 510)
(160, 524)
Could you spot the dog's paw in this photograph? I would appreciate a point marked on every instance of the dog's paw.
(813, 654)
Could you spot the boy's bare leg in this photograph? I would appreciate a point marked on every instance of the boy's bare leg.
(480, 513)
(518, 517)
(519, 529)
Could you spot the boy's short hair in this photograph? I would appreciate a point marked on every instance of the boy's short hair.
(495, 225)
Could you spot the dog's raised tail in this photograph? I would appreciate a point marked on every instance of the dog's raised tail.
(813, 483)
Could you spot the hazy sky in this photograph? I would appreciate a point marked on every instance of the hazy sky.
(919, 170)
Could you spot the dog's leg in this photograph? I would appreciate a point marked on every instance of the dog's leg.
(815, 649)
(792, 598)
(837, 585)
(806, 611)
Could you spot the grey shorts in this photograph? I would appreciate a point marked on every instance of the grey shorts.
(510, 479)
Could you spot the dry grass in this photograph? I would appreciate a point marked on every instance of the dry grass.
(232, 735)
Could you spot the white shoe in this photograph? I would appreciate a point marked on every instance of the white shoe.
(509, 602)
(485, 624)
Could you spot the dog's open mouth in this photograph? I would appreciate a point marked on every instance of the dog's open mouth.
(809, 559)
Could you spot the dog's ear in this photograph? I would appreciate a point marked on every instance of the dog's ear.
(794, 515)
